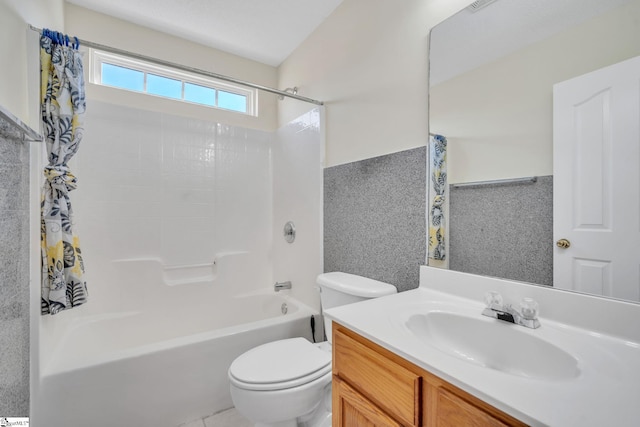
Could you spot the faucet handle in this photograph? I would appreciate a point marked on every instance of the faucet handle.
(529, 308)
(493, 299)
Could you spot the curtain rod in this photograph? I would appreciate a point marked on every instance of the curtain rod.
(27, 133)
(190, 69)
(524, 180)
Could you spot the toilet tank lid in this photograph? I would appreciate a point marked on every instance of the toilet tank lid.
(355, 285)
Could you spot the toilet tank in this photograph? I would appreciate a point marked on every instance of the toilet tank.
(339, 288)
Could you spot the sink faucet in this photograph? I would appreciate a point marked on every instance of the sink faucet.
(527, 315)
(282, 285)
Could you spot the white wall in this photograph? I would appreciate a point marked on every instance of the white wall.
(39, 12)
(14, 17)
(368, 62)
(13, 85)
(106, 30)
(498, 117)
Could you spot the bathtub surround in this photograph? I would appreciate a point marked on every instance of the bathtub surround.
(14, 270)
(374, 217)
(195, 199)
(297, 176)
(503, 230)
(182, 251)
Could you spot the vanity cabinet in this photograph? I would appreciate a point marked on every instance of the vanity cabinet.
(375, 387)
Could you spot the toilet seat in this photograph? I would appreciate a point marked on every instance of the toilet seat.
(280, 365)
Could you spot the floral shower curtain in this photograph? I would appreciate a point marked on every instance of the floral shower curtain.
(62, 107)
(438, 159)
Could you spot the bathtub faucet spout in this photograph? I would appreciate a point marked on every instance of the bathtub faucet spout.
(282, 285)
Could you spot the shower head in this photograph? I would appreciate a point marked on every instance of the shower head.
(293, 90)
(479, 4)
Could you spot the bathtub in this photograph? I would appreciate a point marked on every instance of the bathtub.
(161, 368)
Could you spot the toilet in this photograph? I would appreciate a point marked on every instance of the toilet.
(287, 383)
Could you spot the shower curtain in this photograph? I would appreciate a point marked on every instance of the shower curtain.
(438, 159)
(62, 107)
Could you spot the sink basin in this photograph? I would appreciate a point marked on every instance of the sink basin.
(493, 344)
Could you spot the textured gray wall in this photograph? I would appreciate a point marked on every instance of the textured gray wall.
(374, 217)
(503, 231)
(14, 274)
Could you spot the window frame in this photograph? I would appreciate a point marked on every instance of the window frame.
(99, 57)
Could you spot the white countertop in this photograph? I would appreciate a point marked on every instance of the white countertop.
(606, 392)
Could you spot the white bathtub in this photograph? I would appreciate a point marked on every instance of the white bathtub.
(158, 368)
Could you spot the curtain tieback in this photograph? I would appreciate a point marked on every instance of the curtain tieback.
(60, 178)
(438, 201)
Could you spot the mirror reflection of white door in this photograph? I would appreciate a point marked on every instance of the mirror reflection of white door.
(596, 181)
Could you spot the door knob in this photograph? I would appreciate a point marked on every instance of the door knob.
(563, 243)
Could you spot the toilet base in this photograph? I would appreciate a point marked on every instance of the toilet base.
(282, 424)
(323, 420)
(319, 416)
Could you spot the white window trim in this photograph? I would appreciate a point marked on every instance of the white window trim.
(97, 58)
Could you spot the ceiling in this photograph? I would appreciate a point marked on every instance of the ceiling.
(267, 31)
(470, 39)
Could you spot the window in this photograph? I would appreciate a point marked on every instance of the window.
(132, 74)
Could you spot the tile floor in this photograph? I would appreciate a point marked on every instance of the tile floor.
(228, 418)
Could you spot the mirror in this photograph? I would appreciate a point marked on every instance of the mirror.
(492, 70)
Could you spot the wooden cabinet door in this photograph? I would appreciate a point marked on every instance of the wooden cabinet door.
(455, 412)
(446, 406)
(351, 409)
(380, 377)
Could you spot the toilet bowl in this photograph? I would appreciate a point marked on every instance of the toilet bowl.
(287, 383)
(283, 383)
